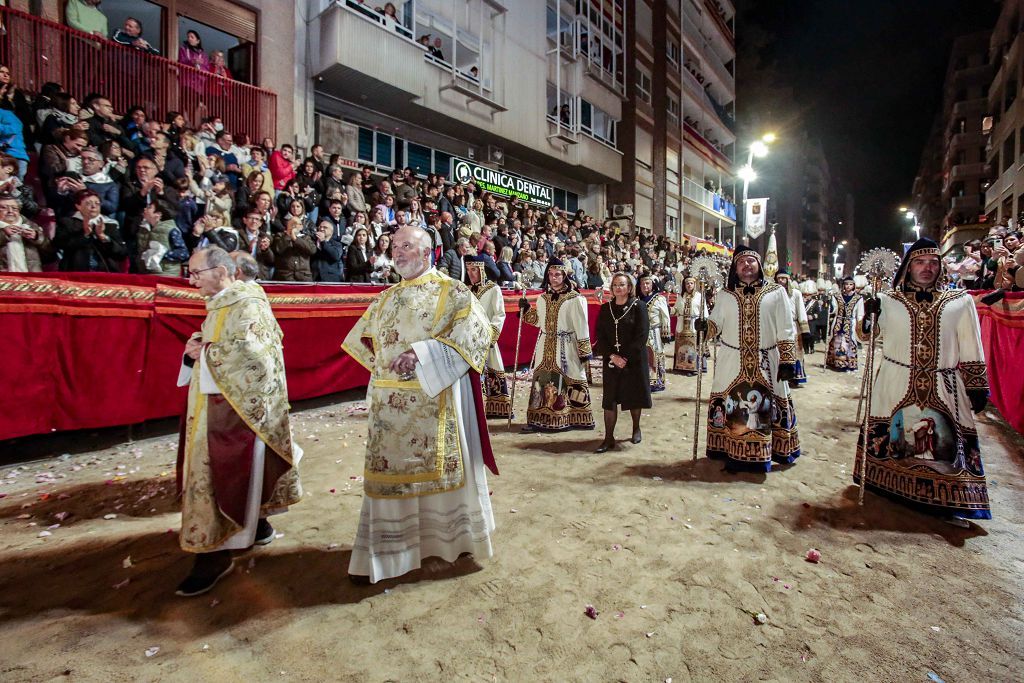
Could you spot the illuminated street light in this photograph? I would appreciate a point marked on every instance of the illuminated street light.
(759, 149)
(747, 175)
(907, 213)
(768, 137)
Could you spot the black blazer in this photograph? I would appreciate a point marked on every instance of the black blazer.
(85, 253)
(356, 265)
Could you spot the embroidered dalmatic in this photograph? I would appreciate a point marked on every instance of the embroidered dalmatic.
(236, 459)
(424, 481)
(559, 392)
(688, 308)
(497, 399)
(842, 345)
(751, 418)
(922, 440)
(660, 328)
(800, 327)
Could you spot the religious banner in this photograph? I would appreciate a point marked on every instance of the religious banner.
(756, 216)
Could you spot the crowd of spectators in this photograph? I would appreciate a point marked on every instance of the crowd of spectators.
(85, 188)
(995, 262)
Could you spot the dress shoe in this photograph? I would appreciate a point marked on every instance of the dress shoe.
(637, 436)
(359, 580)
(209, 568)
(605, 446)
(264, 532)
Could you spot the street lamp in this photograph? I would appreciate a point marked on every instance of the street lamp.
(759, 149)
(835, 258)
(907, 213)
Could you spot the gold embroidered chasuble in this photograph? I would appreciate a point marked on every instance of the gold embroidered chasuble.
(413, 447)
(243, 354)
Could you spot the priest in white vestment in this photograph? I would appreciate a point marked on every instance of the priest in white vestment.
(425, 342)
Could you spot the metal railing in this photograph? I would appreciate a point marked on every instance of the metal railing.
(709, 200)
(38, 51)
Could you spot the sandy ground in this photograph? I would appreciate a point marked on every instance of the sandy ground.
(676, 557)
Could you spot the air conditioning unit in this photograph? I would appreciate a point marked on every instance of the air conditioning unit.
(622, 210)
(495, 155)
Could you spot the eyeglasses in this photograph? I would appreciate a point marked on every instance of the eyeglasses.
(193, 273)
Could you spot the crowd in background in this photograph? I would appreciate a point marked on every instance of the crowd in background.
(85, 188)
(995, 262)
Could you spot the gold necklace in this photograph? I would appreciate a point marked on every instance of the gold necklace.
(615, 320)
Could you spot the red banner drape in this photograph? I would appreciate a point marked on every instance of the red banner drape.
(84, 351)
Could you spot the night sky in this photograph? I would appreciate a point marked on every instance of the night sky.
(864, 77)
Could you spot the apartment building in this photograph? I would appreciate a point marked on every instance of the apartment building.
(531, 89)
(678, 121)
(949, 190)
(1004, 198)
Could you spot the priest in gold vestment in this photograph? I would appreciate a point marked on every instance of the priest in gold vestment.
(425, 342)
(236, 458)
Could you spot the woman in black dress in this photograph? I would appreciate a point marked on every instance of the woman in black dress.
(622, 330)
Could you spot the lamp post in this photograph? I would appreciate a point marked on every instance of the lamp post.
(835, 259)
(759, 149)
(907, 213)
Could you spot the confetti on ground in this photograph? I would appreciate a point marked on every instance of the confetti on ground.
(591, 612)
(813, 555)
(151, 652)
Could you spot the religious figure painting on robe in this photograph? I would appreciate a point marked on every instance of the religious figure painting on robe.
(744, 409)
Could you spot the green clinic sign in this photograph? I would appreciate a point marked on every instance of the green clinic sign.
(502, 183)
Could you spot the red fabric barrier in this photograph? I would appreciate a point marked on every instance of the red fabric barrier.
(1002, 333)
(84, 351)
(97, 350)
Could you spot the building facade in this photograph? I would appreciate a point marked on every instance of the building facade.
(1004, 199)
(678, 122)
(534, 89)
(949, 190)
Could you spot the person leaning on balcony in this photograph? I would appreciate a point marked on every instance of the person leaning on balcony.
(191, 52)
(22, 242)
(130, 34)
(282, 166)
(86, 16)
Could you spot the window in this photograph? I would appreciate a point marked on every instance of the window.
(1009, 151)
(366, 145)
(569, 201)
(643, 86)
(561, 107)
(673, 110)
(442, 163)
(672, 52)
(597, 123)
(418, 157)
(384, 151)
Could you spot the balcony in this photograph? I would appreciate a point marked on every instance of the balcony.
(710, 201)
(995, 192)
(718, 21)
(967, 202)
(968, 171)
(967, 108)
(706, 149)
(964, 140)
(39, 51)
(357, 54)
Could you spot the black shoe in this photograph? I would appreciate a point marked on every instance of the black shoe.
(605, 446)
(637, 436)
(264, 532)
(209, 568)
(528, 429)
(359, 579)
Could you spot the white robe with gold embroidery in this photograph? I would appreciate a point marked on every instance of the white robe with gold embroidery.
(424, 481)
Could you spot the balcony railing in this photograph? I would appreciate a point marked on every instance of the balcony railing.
(711, 149)
(719, 21)
(38, 51)
(964, 171)
(709, 200)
